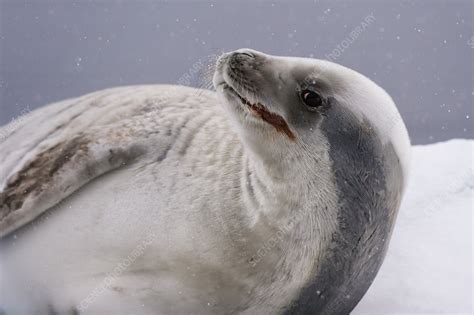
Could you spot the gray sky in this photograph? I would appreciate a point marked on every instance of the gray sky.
(419, 51)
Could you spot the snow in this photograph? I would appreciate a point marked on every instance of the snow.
(428, 267)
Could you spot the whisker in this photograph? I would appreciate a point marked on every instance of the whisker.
(206, 74)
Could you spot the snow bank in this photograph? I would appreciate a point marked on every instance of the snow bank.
(428, 268)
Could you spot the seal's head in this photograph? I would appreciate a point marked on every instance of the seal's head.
(282, 102)
(333, 150)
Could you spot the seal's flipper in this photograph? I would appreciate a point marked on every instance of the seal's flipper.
(49, 153)
(57, 171)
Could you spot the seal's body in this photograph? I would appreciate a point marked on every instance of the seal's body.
(277, 195)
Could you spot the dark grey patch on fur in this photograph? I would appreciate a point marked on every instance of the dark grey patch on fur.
(250, 189)
(53, 311)
(168, 148)
(117, 289)
(38, 173)
(369, 181)
(249, 183)
(164, 154)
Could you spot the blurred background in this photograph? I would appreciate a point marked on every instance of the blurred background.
(419, 51)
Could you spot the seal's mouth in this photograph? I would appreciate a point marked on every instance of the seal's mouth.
(259, 110)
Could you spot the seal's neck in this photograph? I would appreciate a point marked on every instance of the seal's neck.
(291, 210)
(277, 187)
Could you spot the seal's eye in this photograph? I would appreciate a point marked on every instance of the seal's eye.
(311, 99)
